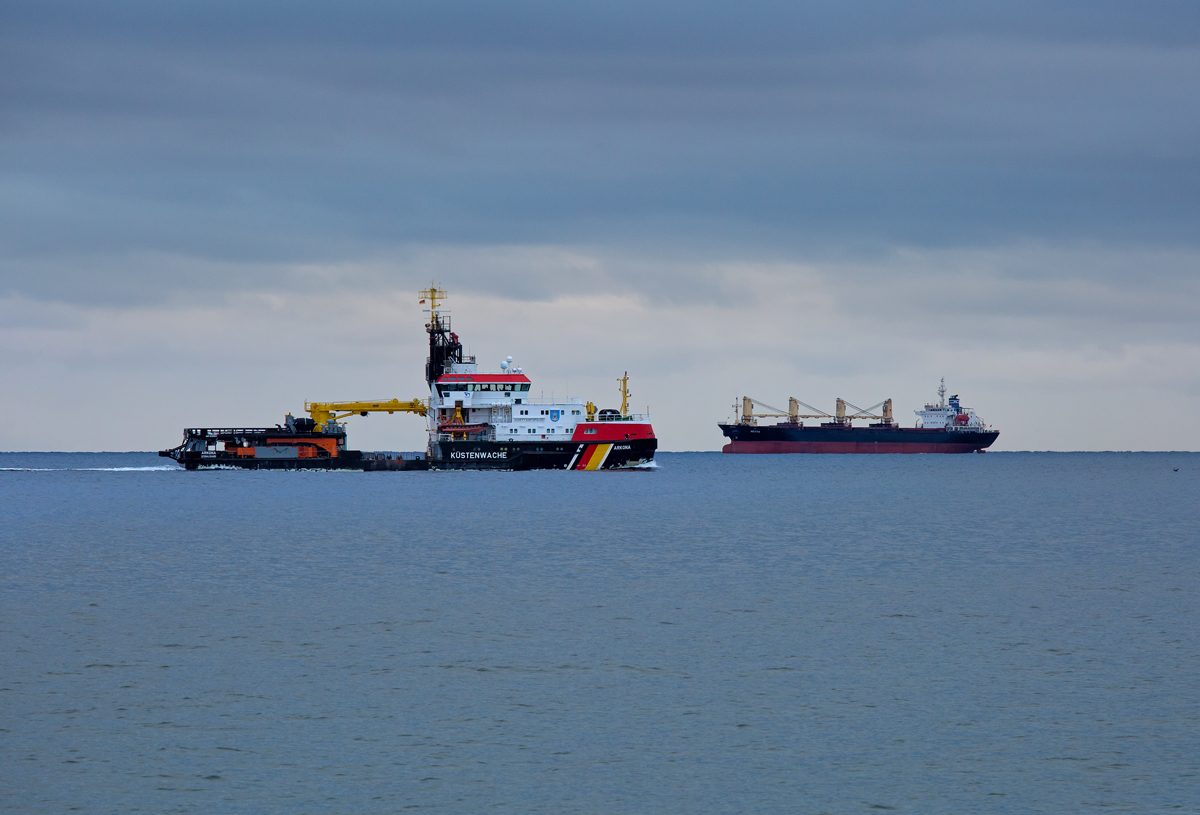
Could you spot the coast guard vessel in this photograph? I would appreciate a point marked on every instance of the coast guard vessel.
(480, 420)
(944, 427)
(476, 421)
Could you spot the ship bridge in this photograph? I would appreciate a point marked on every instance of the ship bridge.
(505, 386)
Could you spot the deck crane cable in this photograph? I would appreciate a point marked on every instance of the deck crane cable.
(770, 407)
(864, 413)
(817, 413)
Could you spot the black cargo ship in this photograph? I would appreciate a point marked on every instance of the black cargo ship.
(943, 428)
(838, 438)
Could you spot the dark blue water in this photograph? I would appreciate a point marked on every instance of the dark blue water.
(779, 634)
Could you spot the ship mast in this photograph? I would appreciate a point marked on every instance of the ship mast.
(433, 294)
(624, 380)
(942, 393)
(444, 347)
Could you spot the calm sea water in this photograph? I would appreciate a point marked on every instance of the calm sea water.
(778, 634)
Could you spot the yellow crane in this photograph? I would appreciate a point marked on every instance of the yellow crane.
(323, 412)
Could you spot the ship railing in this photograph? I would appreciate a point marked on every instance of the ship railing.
(231, 431)
(582, 417)
(628, 417)
(470, 436)
(204, 432)
(570, 401)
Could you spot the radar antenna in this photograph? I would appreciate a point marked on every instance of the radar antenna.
(433, 294)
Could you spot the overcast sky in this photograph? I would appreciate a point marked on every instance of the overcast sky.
(210, 212)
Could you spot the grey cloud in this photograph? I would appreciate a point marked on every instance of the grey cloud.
(269, 136)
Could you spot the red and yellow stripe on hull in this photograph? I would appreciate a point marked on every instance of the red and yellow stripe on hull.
(592, 457)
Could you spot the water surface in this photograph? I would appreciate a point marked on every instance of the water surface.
(781, 634)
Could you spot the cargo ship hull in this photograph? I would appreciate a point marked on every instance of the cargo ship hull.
(793, 439)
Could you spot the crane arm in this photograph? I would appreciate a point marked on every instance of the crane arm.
(779, 414)
(757, 402)
(864, 413)
(322, 412)
(817, 413)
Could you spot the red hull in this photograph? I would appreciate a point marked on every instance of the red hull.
(844, 447)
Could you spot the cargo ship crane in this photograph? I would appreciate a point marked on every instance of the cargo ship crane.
(793, 414)
(865, 413)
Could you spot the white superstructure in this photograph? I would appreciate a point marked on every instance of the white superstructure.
(498, 407)
(490, 420)
(948, 415)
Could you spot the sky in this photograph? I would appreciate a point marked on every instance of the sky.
(211, 212)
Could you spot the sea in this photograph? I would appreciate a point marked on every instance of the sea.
(999, 633)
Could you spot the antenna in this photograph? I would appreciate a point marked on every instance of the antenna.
(433, 294)
(942, 393)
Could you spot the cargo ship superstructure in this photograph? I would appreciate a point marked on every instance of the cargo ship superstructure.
(479, 420)
(942, 427)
